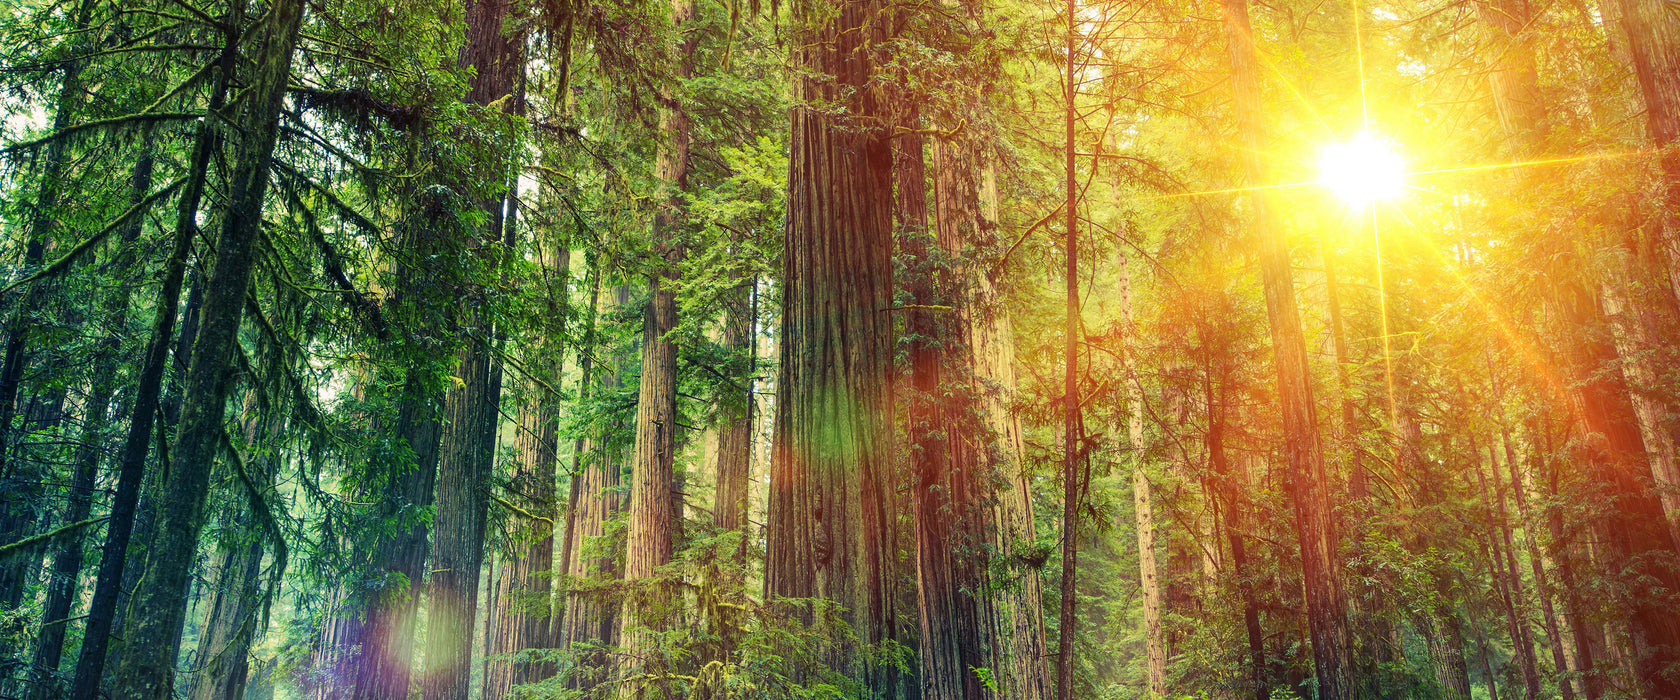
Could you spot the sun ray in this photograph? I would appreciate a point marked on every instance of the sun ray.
(1412, 173)
(1359, 59)
(1506, 330)
(1540, 161)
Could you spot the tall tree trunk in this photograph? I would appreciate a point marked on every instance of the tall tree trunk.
(655, 508)
(1236, 483)
(370, 651)
(1522, 637)
(20, 479)
(1564, 550)
(949, 459)
(590, 615)
(1654, 45)
(1229, 485)
(1309, 485)
(463, 480)
(110, 585)
(225, 638)
(147, 670)
(1142, 497)
(472, 409)
(1637, 544)
(1020, 649)
(168, 416)
(1071, 429)
(1373, 630)
(1359, 480)
(831, 530)
(1641, 332)
(568, 539)
(67, 562)
(1444, 639)
(234, 614)
(1542, 589)
(524, 586)
(734, 441)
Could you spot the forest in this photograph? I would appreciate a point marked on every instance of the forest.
(839, 349)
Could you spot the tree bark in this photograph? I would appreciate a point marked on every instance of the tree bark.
(568, 540)
(472, 409)
(1229, 485)
(1637, 543)
(1142, 497)
(734, 440)
(949, 460)
(991, 334)
(1654, 46)
(1071, 430)
(229, 626)
(1444, 639)
(655, 507)
(1309, 485)
(67, 562)
(147, 669)
(471, 416)
(831, 529)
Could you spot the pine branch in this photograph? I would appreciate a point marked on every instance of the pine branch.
(60, 265)
(20, 545)
(99, 124)
(519, 510)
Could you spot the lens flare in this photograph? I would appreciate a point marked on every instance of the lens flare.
(1362, 171)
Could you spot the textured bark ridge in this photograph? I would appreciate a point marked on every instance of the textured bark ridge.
(980, 637)
(655, 506)
(832, 521)
(147, 670)
(458, 530)
(1309, 481)
(472, 410)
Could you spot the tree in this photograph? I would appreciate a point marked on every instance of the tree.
(832, 506)
(472, 410)
(147, 670)
(1309, 481)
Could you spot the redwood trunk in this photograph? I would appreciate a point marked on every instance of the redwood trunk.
(831, 530)
(1654, 45)
(655, 508)
(1309, 485)
(472, 410)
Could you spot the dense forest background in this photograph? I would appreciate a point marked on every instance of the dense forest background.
(987, 349)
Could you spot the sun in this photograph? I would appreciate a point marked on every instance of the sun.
(1362, 171)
